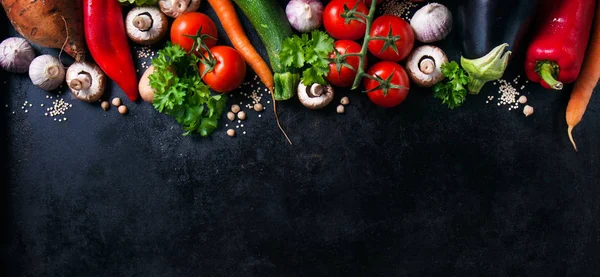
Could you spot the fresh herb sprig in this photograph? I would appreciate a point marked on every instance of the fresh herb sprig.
(309, 54)
(180, 92)
(454, 91)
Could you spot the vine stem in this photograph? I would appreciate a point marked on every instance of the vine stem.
(363, 51)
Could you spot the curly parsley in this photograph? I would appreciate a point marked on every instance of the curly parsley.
(309, 54)
(453, 92)
(179, 92)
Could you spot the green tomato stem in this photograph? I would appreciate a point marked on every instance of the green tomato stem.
(363, 51)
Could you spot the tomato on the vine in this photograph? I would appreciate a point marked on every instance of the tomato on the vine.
(188, 24)
(228, 69)
(400, 29)
(345, 76)
(394, 86)
(335, 24)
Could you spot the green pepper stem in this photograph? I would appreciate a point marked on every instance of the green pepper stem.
(547, 70)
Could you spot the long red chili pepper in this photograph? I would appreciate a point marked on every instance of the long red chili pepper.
(107, 41)
(557, 50)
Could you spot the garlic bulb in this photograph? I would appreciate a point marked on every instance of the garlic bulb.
(15, 55)
(46, 72)
(305, 15)
(175, 8)
(431, 23)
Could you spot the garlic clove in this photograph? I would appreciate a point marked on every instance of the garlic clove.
(431, 23)
(46, 72)
(16, 55)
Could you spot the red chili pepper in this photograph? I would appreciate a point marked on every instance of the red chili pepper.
(556, 52)
(107, 41)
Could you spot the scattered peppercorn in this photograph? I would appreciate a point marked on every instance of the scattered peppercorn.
(116, 101)
(235, 108)
(241, 115)
(105, 106)
(230, 116)
(345, 100)
(123, 109)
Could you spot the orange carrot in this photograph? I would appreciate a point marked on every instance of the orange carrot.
(587, 80)
(231, 23)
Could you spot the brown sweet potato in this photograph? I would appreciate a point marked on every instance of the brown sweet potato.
(48, 23)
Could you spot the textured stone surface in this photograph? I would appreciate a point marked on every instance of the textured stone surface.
(417, 190)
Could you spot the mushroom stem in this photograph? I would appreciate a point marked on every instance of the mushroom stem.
(143, 22)
(427, 65)
(83, 81)
(316, 90)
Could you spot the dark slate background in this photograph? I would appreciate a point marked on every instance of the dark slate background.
(417, 190)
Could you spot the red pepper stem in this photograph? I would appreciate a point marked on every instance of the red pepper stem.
(547, 70)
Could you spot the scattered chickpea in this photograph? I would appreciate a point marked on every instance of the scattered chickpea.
(123, 109)
(528, 110)
(345, 100)
(258, 107)
(230, 116)
(231, 132)
(241, 115)
(105, 106)
(340, 109)
(116, 101)
(235, 108)
(523, 99)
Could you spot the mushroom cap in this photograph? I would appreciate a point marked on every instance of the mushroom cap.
(98, 81)
(158, 29)
(312, 101)
(146, 91)
(175, 8)
(415, 59)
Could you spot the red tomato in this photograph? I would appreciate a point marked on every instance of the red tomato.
(345, 77)
(381, 27)
(336, 26)
(188, 24)
(394, 96)
(229, 71)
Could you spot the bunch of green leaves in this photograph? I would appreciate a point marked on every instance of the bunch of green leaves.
(180, 92)
(454, 91)
(139, 2)
(308, 54)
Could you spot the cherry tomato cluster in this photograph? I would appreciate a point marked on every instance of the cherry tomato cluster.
(397, 46)
(222, 68)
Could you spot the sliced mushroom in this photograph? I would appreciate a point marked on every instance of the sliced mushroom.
(316, 96)
(146, 25)
(424, 65)
(86, 81)
(175, 8)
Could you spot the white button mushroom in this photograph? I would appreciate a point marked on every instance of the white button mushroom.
(46, 72)
(316, 96)
(146, 25)
(86, 81)
(16, 55)
(424, 65)
(175, 8)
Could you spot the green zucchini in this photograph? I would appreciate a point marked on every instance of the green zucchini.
(272, 26)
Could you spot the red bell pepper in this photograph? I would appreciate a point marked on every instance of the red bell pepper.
(558, 47)
(107, 41)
